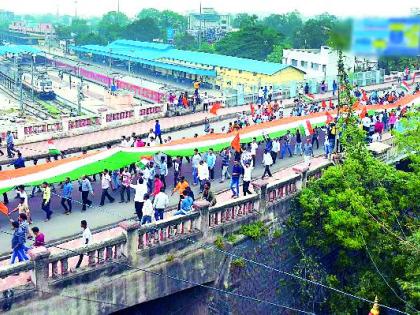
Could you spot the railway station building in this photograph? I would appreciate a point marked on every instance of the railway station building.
(214, 71)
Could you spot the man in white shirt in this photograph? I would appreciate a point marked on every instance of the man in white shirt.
(147, 210)
(160, 203)
(267, 161)
(140, 190)
(247, 177)
(195, 160)
(86, 238)
(366, 121)
(124, 142)
(106, 182)
(203, 174)
(254, 148)
(275, 149)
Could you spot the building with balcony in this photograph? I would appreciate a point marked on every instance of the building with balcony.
(211, 25)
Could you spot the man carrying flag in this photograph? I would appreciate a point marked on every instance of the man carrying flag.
(330, 118)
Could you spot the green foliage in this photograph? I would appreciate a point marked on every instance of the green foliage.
(277, 54)
(170, 258)
(315, 32)
(112, 24)
(255, 230)
(219, 242)
(242, 20)
(231, 238)
(252, 41)
(164, 20)
(277, 233)
(238, 263)
(144, 29)
(397, 63)
(185, 41)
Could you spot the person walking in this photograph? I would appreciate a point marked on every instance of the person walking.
(46, 198)
(106, 183)
(247, 177)
(195, 160)
(157, 185)
(203, 174)
(10, 144)
(298, 145)
(177, 164)
(308, 152)
(315, 138)
(125, 185)
(225, 156)
(286, 144)
(267, 161)
(66, 198)
(254, 148)
(147, 210)
(160, 203)
(211, 162)
(86, 239)
(85, 187)
(18, 243)
(163, 171)
(234, 182)
(275, 150)
(158, 131)
(140, 190)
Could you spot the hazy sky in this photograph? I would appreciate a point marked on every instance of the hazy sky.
(131, 7)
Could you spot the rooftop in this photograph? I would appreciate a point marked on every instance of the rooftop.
(155, 52)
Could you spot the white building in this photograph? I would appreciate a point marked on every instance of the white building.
(213, 25)
(322, 63)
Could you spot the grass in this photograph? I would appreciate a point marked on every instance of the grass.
(231, 238)
(277, 233)
(238, 263)
(51, 109)
(170, 258)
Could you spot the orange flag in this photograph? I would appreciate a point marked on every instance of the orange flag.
(329, 118)
(309, 127)
(331, 104)
(356, 105)
(4, 209)
(236, 143)
(252, 109)
(215, 107)
(324, 104)
(363, 113)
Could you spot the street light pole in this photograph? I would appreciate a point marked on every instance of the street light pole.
(32, 78)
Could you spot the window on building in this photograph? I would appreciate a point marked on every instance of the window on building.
(304, 64)
(294, 62)
(314, 66)
(324, 68)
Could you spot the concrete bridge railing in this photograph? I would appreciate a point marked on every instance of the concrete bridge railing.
(152, 244)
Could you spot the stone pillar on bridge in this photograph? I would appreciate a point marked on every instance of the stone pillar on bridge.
(260, 186)
(40, 274)
(130, 229)
(303, 171)
(202, 206)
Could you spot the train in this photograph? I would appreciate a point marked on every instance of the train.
(42, 85)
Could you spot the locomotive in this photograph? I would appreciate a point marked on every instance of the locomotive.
(42, 85)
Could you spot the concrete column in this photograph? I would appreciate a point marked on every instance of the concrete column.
(132, 245)
(260, 186)
(40, 257)
(202, 206)
(303, 170)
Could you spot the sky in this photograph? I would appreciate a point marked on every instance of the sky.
(344, 8)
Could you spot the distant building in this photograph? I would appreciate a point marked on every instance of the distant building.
(6, 15)
(322, 63)
(213, 26)
(33, 29)
(215, 71)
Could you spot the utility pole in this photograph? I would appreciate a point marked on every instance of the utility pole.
(21, 94)
(199, 33)
(79, 97)
(32, 78)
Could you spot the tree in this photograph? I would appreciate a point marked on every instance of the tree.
(111, 25)
(242, 20)
(185, 41)
(277, 54)
(254, 41)
(397, 63)
(314, 32)
(90, 38)
(142, 30)
(286, 24)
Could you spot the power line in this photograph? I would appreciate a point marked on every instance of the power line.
(298, 277)
(189, 282)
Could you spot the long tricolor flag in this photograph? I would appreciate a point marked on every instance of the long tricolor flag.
(405, 86)
(308, 98)
(52, 149)
(308, 129)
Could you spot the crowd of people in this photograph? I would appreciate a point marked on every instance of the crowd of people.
(152, 186)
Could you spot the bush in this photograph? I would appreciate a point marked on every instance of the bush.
(220, 244)
(254, 230)
(238, 263)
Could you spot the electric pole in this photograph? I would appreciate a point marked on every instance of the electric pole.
(32, 78)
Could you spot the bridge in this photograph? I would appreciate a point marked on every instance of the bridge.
(137, 264)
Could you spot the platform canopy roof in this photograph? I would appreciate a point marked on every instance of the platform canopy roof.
(18, 49)
(166, 55)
